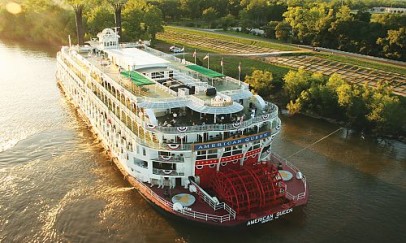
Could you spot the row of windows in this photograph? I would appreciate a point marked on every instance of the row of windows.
(110, 43)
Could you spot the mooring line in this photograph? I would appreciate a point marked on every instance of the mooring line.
(321, 139)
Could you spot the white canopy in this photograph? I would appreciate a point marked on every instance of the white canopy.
(135, 58)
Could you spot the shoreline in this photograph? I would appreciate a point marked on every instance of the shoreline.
(363, 134)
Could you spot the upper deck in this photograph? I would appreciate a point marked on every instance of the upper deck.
(168, 86)
(160, 79)
(164, 93)
(166, 73)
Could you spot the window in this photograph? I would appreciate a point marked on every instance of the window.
(157, 75)
(164, 153)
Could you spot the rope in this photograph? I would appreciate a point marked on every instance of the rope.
(321, 139)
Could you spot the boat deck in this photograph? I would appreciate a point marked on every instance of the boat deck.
(296, 193)
(113, 71)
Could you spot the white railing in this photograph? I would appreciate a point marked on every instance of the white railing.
(167, 172)
(185, 211)
(214, 204)
(217, 127)
(301, 195)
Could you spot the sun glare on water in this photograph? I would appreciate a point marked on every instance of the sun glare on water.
(13, 7)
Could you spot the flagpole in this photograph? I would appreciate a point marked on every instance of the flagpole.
(195, 55)
(183, 48)
(222, 66)
(239, 71)
(208, 61)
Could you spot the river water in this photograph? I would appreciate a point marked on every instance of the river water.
(57, 185)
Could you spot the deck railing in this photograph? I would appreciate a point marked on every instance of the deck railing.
(219, 127)
(301, 195)
(167, 172)
(214, 204)
(185, 211)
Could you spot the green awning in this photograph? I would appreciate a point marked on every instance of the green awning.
(205, 71)
(137, 78)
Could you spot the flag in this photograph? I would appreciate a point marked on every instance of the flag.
(239, 67)
(221, 63)
(194, 53)
(206, 57)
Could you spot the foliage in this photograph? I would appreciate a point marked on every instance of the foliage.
(343, 25)
(394, 44)
(261, 81)
(50, 22)
(365, 108)
(282, 31)
(40, 22)
(227, 21)
(98, 18)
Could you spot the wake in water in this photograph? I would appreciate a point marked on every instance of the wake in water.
(10, 140)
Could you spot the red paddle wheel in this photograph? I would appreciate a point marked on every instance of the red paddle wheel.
(250, 188)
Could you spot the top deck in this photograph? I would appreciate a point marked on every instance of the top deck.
(166, 73)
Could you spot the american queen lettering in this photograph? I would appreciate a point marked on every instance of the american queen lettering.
(268, 218)
(205, 146)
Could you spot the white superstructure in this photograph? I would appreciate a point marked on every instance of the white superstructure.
(171, 127)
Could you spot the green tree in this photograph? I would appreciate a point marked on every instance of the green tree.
(283, 31)
(209, 15)
(255, 12)
(132, 21)
(78, 6)
(169, 8)
(117, 7)
(296, 82)
(308, 22)
(97, 19)
(382, 105)
(141, 20)
(260, 81)
(40, 21)
(227, 21)
(191, 8)
(394, 44)
(153, 21)
(269, 29)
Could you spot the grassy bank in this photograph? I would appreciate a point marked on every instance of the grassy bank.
(231, 62)
(226, 37)
(259, 41)
(363, 63)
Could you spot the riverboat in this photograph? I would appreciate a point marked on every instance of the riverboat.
(194, 142)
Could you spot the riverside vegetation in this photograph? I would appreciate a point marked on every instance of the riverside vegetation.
(331, 24)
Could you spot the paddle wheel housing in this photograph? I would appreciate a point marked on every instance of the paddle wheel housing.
(249, 189)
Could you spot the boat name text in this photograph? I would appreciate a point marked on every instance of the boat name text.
(231, 142)
(268, 218)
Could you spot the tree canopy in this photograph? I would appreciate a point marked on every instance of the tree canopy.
(53, 21)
